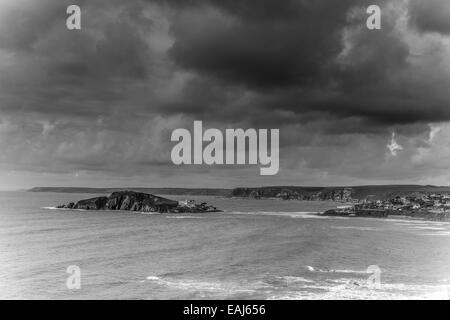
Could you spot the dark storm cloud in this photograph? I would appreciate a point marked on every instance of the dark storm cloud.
(24, 25)
(431, 15)
(121, 52)
(288, 54)
(106, 98)
(74, 73)
(298, 53)
(267, 44)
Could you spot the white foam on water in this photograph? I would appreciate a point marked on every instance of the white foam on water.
(429, 228)
(317, 216)
(184, 217)
(292, 279)
(355, 228)
(442, 233)
(209, 287)
(351, 289)
(303, 288)
(65, 209)
(297, 214)
(275, 212)
(313, 269)
(416, 221)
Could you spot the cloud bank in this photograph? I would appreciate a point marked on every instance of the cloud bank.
(102, 101)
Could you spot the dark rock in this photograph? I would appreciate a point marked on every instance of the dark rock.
(91, 204)
(70, 205)
(368, 213)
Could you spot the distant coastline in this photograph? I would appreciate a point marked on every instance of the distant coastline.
(414, 201)
(340, 194)
(166, 191)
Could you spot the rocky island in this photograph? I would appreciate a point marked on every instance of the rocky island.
(141, 202)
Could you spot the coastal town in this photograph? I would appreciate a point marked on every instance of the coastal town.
(425, 206)
(407, 201)
(365, 201)
(429, 202)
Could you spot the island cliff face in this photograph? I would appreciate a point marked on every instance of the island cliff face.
(138, 201)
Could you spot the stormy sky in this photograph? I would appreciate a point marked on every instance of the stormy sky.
(96, 106)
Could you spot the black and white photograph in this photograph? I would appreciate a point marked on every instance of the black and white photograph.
(225, 150)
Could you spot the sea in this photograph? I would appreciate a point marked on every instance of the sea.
(255, 249)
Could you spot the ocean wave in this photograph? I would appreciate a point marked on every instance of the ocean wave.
(353, 290)
(294, 214)
(275, 212)
(207, 288)
(409, 221)
(441, 233)
(184, 217)
(429, 228)
(64, 209)
(295, 288)
(293, 279)
(265, 285)
(355, 228)
(313, 269)
(345, 289)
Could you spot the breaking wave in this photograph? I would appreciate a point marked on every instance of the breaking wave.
(184, 217)
(294, 288)
(297, 214)
(313, 269)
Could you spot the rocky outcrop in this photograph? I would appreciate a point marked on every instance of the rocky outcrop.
(341, 194)
(367, 213)
(138, 201)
